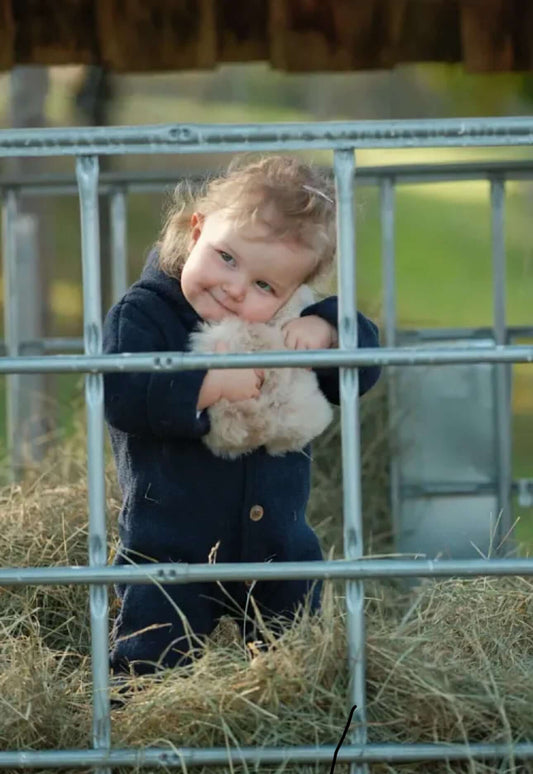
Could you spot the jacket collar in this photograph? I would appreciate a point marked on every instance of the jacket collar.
(156, 280)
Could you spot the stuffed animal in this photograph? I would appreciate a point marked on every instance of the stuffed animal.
(291, 409)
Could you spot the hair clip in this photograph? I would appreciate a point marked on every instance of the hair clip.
(318, 193)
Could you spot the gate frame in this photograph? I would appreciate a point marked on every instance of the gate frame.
(343, 138)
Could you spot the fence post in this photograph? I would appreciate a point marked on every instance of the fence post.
(501, 370)
(119, 243)
(87, 174)
(388, 262)
(11, 331)
(344, 164)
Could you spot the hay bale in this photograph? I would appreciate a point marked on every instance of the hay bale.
(447, 661)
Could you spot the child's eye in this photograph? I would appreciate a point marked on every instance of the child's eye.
(226, 257)
(264, 286)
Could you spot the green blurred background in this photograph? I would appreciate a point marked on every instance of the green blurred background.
(444, 271)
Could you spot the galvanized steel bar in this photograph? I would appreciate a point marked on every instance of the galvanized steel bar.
(180, 361)
(30, 346)
(212, 756)
(387, 206)
(74, 344)
(502, 372)
(224, 138)
(87, 174)
(119, 243)
(344, 166)
(410, 335)
(388, 260)
(11, 328)
(157, 181)
(327, 570)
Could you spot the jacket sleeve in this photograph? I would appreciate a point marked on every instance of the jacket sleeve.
(367, 336)
(148, 403)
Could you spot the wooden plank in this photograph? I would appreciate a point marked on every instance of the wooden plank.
(136, 35)
(353, 35)
(497, 35)
(242, 30)
(486, 31)
(430, 32)
(51, 33)
(295, 35)
(7, 34)
(313, 35)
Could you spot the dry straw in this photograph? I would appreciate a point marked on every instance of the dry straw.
(448, 661)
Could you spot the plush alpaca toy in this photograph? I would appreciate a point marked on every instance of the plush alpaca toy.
(291, 409)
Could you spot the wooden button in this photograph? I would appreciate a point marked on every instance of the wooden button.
(256, 513)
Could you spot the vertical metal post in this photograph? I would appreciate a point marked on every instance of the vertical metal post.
(344, 165)
(119, 243)
(87, 175)
(11, 328)
(502, 381)
(388, 256)
(387, 202)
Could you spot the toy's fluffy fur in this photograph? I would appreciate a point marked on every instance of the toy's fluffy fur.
(291, 409)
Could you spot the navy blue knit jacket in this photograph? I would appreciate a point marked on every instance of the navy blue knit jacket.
(179, 500)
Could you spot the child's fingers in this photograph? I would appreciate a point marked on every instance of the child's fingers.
(291, 340)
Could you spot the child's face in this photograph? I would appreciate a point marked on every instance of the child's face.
(245, 273)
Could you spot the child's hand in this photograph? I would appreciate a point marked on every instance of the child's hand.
(241, 383)
(311, 332)
(232, 384)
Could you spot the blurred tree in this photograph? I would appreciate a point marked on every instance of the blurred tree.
(472, 94)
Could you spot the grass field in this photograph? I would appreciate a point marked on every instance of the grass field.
(444, 270)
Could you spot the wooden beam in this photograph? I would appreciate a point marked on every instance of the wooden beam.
(136, 35)
(296, 35)
(497, 35)
(52, 33)
(7, 35)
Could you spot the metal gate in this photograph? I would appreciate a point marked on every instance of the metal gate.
(87, 145)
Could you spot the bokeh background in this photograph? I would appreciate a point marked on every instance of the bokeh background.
(443, 249)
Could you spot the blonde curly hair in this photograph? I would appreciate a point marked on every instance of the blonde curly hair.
(295, 200)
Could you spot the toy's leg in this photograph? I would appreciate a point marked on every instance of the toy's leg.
(158, 627)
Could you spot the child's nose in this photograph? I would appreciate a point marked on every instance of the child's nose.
(235, 289)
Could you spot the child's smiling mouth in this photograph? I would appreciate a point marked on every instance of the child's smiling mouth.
(221, 305)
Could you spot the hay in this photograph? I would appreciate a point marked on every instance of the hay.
(448, 661)
(326, 504)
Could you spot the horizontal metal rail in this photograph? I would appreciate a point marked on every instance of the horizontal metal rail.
(457, 488)
(176, 758)
(75, 344)
(326, 570)
(513, 332)
(52, 344)
(224, 138)
(320, 358)
(156, 181)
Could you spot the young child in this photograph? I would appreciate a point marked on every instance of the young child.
(241, 247)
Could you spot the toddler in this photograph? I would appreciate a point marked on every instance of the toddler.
(241, 247)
